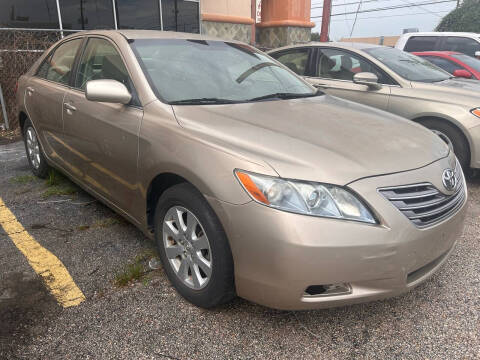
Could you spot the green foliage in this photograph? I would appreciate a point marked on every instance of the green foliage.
(22, 179)
(58, 185)
(131, 272)
(464, 18)
(314, 36)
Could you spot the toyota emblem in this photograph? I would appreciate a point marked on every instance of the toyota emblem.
(449, 180)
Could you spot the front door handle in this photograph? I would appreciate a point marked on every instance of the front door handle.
(70, 107)
(30, 90)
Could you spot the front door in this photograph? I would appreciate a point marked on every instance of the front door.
(334, 73)
(103, 137)
(44, 95)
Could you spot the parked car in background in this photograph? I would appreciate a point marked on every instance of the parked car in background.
(250, 180)
(457, 64)
(465, 43)
(398, 82)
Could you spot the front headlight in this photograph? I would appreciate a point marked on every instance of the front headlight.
(303, 197)
(476, 112)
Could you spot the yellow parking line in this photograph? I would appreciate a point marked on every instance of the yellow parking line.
(47, 265)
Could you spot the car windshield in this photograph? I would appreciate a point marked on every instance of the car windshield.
(468, 60)
(187, 72)
(408, 66)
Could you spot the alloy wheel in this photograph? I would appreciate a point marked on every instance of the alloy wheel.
(33, 147)
(187, 247)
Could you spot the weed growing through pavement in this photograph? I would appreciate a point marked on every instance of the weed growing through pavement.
(136, 270)
(58, 185)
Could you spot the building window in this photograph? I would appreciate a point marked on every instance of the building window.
(35, 14)
(87, 14)
(138, 14)
(180, 15)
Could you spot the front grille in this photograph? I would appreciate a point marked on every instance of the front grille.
(423, 204)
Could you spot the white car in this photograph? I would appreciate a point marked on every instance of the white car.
(466, 43)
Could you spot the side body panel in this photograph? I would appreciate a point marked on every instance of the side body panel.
(101, 146)
(47, 119)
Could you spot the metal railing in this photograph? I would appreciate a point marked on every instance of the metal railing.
(19, 49)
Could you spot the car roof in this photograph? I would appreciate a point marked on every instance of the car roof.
(153, 34)
(340, 44)
(438, 33)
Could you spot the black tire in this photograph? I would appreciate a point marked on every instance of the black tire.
(220, 288)
(458, 140)
(43, 168)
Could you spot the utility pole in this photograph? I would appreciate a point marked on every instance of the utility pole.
(327, 11)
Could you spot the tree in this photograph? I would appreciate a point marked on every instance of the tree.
(314, 36)
(463, 18)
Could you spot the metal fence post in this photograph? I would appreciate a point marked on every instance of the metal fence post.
(4, 108)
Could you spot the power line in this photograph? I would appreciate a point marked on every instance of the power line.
(387, 16)
(356, 16)
(393, 7)
(346, 4)
(420, 7)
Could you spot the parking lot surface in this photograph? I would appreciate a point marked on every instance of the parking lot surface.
(146, 319)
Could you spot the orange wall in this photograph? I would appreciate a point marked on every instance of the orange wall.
(286, 13)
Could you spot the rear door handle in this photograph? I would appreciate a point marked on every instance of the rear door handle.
(69, 107)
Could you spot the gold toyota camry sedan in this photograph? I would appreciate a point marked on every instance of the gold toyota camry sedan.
(396, 81)
(251, 181)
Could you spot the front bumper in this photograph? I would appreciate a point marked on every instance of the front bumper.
(277, 255)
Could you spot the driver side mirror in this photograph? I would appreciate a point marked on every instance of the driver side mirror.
(462, 73)
(367, 78)
(104, 90)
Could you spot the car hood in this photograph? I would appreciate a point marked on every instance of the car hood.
(455, 90)
(323, 138)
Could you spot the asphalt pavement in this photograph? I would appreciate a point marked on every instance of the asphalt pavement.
(147, 319)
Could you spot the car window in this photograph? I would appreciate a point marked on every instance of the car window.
(443, 63)
(181, 70)
(468, 60)
(101, 60)
(408, 66)
(58, 65)
(421, 43)
(296, 60)
(343, 65)
(460, 44)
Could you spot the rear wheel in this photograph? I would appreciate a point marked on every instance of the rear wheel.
(35, 156)
(453, 137)
(193, 247)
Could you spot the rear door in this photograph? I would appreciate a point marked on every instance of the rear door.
(45, 91)
(334, 73)
(103, 137)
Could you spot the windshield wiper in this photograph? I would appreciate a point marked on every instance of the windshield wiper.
(203, 101)
(285, 95)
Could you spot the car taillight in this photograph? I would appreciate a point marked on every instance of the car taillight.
(16, 87)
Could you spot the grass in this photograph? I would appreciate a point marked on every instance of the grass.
(22, 179)
(136, 270)
(58, 185)
(131, 273)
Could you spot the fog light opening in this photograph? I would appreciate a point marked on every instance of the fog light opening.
(328, 290)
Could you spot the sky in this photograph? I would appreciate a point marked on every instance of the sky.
(381, 23)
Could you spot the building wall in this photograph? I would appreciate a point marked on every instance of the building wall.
(227, 19)
(379, 40)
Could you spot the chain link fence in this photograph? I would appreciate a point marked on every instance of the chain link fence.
(19, 49)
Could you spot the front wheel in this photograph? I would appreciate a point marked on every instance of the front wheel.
(193, 247)
(35, 156)
(452, 137)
